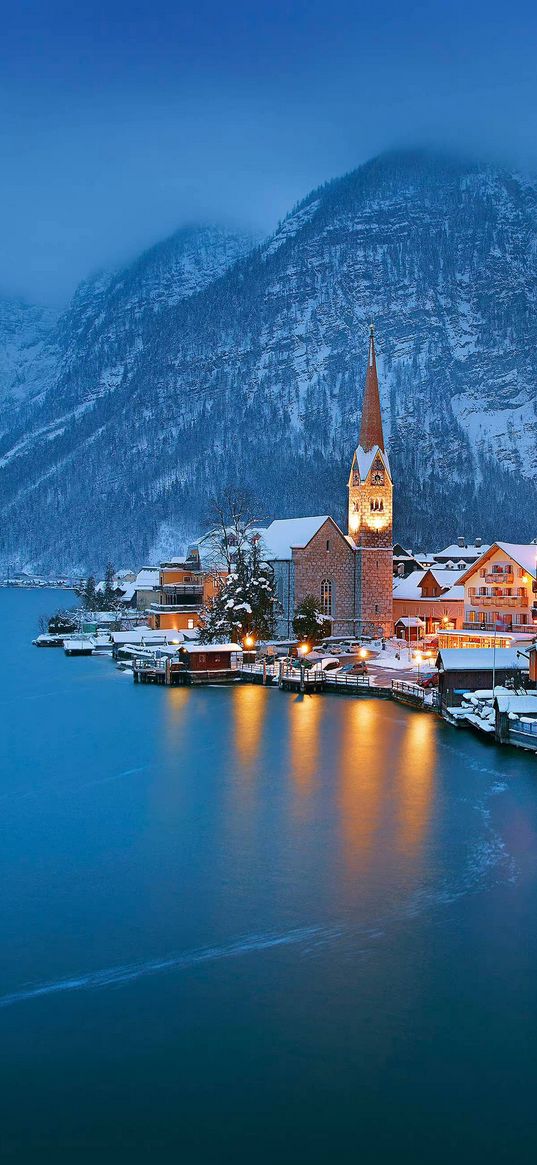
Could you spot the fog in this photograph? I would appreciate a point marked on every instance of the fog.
(120, 122)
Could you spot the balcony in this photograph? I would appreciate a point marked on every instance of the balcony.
(498, 577)
(499, 601)
(506, 627)
(180, 595)
(183, 589)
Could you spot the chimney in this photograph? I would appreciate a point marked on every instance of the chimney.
(461, 541)
(478, 543)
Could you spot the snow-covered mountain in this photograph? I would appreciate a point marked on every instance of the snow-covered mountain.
(207, 361)
(27, 361)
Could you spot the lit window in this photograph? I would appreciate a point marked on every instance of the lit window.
(190, 624)
(326, 596)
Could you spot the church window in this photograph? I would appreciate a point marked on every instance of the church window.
(328, 544)
(376, 504)
(326, 596)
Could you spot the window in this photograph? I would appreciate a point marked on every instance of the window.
(326, 596)
(328, 544)
(190, 624)
(376, 504)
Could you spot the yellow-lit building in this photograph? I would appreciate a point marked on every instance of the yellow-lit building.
(499, 589)
(184, 589)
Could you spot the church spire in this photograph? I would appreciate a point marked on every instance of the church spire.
(371, 427)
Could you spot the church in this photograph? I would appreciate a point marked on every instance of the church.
(350, 574)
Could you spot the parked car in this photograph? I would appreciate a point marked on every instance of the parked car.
(329, 663)
(430, 680)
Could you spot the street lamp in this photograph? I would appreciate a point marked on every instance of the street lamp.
(419, 658)
(248, 642)
(303, 648)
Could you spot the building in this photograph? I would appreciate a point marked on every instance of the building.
(404, 561)
(499, 589)
(434, 595)
(146, 587)
(460, 554)
(211, 662)
(410, 628)
(470, 669)
(279, 539)
(184, 589)
(351, 573)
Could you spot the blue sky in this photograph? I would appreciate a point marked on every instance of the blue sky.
(121, 121)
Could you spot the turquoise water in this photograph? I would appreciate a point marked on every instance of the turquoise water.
(242, 926)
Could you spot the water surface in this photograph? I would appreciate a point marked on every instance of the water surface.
(242, 926)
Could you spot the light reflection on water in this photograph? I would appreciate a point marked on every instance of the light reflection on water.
(290, 907)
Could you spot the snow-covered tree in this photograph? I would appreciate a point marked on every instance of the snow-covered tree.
(246, 603)
(309, 623)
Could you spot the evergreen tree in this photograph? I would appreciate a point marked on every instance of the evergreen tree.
(89, 594)
(309, 624)
(109, 593)
(246, 603)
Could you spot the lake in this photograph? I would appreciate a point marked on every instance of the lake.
(239, 925)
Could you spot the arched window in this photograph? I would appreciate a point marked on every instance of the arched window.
(326, 596)
(377, 504)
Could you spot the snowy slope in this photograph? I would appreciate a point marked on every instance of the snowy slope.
(189, 370)
(27, 361)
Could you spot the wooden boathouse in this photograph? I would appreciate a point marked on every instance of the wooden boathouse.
(193, 664)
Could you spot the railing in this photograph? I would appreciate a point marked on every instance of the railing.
(498, 576)
(182, 589)
(257, 669)
(425, 696)
(499, 600)
(347, 681)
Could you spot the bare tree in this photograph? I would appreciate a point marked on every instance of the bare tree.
(232, 521)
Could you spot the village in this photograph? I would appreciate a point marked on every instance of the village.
(302, 604)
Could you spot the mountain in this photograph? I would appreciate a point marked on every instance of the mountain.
(209, 361)
(26, 360)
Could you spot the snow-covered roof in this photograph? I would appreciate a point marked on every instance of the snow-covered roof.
(410, 621)
(284, 533)
(147, 635)
(410, 587)
(524, 703)
(525, 555)
(455, 594)
(456, 552)
(208, 647)
(128, 589)
(147, 578)
(365, 460)
(480, 658)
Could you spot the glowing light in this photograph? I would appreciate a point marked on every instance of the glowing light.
(303, 648)
(248, 641)
(354, 523)
(363, 652)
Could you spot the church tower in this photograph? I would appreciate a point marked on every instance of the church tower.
(370, 510)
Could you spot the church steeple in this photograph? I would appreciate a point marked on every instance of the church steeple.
(370, 510)
(371, 433)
